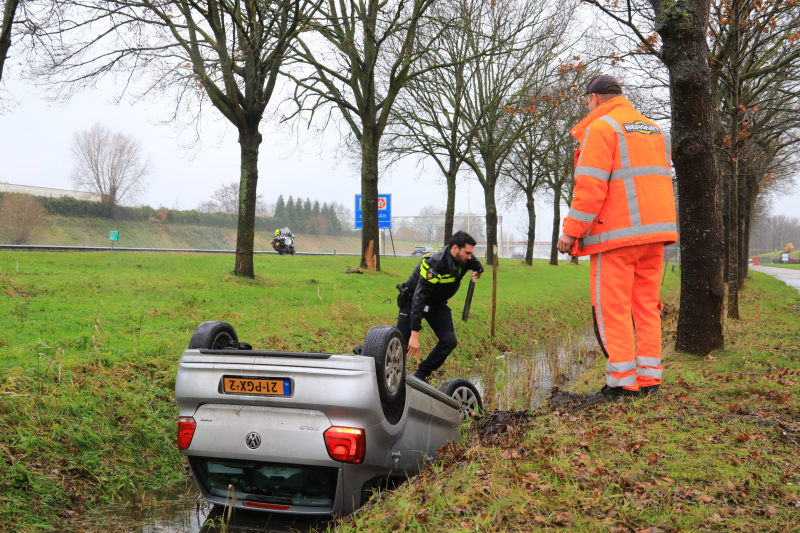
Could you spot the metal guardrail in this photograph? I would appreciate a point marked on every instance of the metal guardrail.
(46, 248)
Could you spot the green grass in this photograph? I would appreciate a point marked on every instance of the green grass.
(716, 452)
(779, 265)
(89, 344)
(777, 254)
(75, 231)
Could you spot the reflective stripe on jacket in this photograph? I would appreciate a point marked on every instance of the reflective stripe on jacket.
(623, 181)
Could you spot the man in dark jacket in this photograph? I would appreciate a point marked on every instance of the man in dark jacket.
(434, 281)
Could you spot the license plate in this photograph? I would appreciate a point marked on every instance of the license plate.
(257, 386)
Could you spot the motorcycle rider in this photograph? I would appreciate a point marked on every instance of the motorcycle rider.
(434, 281)
(283, 237)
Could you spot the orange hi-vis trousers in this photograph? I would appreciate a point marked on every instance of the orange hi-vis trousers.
(625, 302)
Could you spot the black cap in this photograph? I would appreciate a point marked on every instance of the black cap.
(603, 84)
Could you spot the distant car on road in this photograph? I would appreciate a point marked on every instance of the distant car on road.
(517, 255)
(422, 250)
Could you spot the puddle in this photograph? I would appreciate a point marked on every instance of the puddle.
(181, 509)
(522, 380)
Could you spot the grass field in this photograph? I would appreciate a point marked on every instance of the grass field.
(716, 452)
(89, 344)
(74, 231)
(794, 267)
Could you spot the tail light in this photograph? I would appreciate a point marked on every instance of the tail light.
(268, 506)
(347, 445)
(186, 427)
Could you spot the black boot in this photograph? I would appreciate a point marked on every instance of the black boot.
(613, 394)
(652, 390)
(419, 374)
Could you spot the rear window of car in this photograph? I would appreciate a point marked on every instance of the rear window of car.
(419, 249)
(281, 483)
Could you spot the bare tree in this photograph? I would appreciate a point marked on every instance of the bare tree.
(344, 214)
(264, 209)
(20, 215)
(226, 52)
(226, 200)
(522, 37)
(6, 26)
(755, 47)
(109, 164)
(543, 156)
(773, 233)
(356, 60)
(429, 223)
(426, 120)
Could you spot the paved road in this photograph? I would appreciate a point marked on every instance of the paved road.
(787, 275)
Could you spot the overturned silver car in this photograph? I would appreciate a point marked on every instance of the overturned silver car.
(310, 433)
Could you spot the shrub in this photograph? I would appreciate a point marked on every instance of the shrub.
(20, 215)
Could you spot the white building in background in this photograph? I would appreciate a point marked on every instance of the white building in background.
(48, 192)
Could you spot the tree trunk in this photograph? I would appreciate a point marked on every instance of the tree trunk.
(491, 217)
(9, 10)
(370, 256)
(450, 211)
(682, 27)
(529, 203)
(249, 141)
(747, 203)
(556, 227)
(726, 224)
(733, 207)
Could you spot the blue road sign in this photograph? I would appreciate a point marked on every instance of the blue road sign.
(384, 211)
(113, 235)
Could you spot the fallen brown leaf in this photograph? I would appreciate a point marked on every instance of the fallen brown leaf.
(563, 519)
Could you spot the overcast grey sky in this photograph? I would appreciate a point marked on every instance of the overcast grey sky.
(35, 140)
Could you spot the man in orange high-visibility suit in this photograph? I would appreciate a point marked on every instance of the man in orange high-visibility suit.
(622, 215)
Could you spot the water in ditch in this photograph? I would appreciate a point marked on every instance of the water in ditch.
(520, 380)
(181, 509)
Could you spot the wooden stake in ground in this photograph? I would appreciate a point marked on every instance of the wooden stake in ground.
(494, 286)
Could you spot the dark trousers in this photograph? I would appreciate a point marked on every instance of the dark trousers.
(441, 322)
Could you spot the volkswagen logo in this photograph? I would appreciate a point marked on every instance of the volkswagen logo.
(253, 440)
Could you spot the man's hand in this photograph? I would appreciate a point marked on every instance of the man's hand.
(476, 275)
(565, 243)
(413, 345)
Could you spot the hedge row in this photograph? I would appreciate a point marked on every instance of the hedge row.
(71, 207)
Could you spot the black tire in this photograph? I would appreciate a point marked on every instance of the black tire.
(465, 394)
(214, 335)
(385, 345)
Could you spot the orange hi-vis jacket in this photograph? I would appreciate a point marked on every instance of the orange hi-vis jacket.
(623, 181)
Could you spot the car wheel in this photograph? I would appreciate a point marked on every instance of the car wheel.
(214, 335)
(385, 345)
(465, 393)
